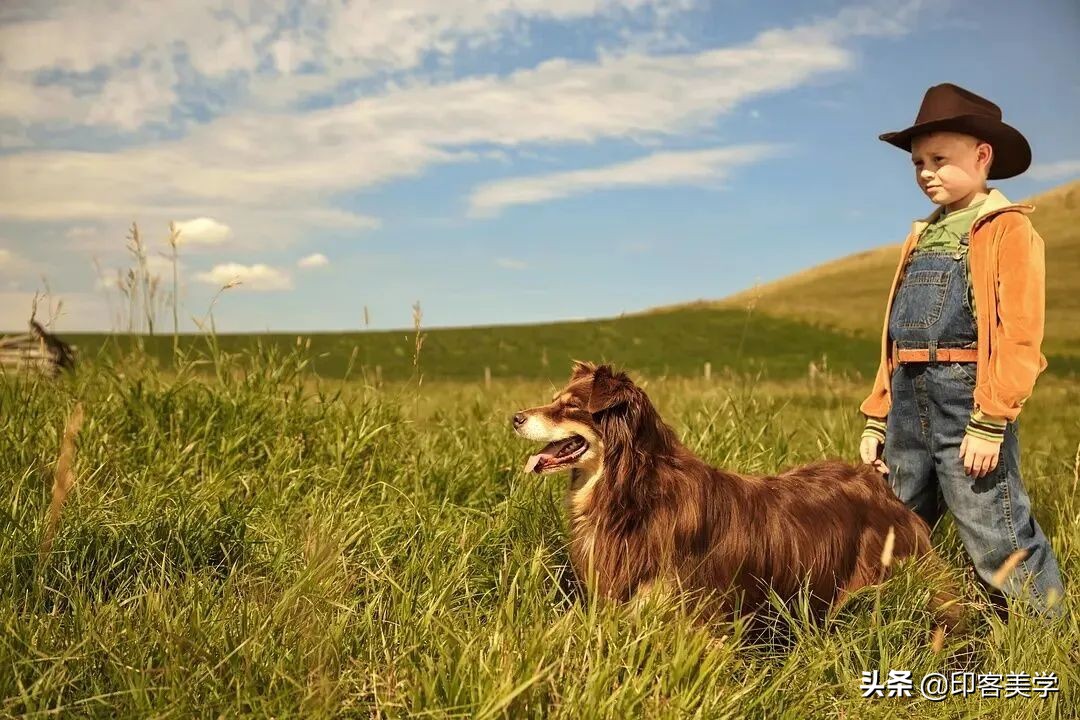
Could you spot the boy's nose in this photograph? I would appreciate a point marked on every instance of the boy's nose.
(518, 419)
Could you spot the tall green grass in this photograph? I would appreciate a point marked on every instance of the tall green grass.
(244, 538)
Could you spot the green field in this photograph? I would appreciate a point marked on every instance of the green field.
(676, 343)
(247, 539)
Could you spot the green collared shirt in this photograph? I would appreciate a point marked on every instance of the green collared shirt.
(944, 234)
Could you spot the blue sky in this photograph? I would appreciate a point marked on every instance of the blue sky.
(499, 161)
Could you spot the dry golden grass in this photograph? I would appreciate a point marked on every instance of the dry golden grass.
(64, 478)
(887, 550)
(1002, 574)
(938, 640)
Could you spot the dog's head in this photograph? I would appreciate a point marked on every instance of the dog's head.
(572, 423)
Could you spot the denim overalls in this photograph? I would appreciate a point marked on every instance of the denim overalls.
(931, 405)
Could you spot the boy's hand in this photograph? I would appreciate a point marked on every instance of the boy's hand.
(980, 456)
(868, 451)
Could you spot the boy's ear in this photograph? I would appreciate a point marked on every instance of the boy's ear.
(608, 389)
(985, 154)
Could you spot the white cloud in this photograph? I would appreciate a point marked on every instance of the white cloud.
(333, 218)
(316, 260)
(202, 231)
(379, 35)
(511, 263)
(689, 167)
(259, 164)
(275, 173)
(252, 277)
(1060, 170)
(21, 99)
(118, 35)
(223, 36)
(128, 99)
(133, 97)
(144, 60)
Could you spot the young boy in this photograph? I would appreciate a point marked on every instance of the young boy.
(961, 344)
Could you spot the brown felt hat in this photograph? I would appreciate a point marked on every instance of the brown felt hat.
(949, 107)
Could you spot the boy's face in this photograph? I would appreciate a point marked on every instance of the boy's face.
(950, 166)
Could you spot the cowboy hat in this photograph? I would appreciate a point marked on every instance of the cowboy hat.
(948, 107)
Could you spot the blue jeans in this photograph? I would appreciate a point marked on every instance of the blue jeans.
(931, 405)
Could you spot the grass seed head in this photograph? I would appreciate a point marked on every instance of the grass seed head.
(887, 550)
(1001, 575)
(64, 479)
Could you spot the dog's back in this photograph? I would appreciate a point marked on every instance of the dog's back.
(823, 525)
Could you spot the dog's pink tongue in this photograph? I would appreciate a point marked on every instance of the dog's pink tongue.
(533, 463)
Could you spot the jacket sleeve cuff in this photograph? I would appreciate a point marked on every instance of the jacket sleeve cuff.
(987, 427)
(875, 428)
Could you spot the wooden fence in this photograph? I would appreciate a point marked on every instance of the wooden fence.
(36, 351)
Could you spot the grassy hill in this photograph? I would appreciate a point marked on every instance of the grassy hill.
(823, 295)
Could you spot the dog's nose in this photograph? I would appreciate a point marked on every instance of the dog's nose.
(518, 419)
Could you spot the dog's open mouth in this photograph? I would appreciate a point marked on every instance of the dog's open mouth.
(558, 454)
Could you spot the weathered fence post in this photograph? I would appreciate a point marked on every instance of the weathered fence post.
(708, 370)
(378, 376)
(487, 377)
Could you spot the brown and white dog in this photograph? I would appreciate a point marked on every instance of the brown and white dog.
(646, 512)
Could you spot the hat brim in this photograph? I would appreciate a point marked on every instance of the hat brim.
(1012, 153)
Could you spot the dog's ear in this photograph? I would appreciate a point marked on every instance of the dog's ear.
(580, 369)
(608, 389)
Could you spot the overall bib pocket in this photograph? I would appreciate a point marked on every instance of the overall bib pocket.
(921, 297)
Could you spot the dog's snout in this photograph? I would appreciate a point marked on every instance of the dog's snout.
(518, 419)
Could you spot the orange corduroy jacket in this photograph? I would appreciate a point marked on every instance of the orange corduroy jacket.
(1008, 281)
